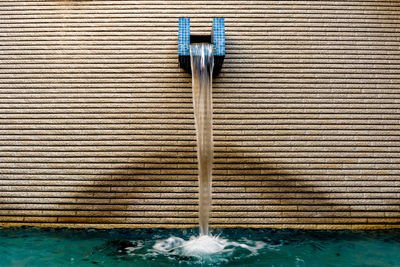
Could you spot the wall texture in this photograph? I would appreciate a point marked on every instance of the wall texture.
(97, 129)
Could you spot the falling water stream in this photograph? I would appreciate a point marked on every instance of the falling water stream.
(202, 62)
(205, 246)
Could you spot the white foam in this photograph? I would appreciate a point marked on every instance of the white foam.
(203, 246)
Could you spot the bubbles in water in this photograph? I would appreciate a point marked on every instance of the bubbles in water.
(207, 247)
(204, 245)
(169, 244)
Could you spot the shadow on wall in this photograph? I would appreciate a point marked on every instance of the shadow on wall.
(246, 191)
(273, 195)
(158, 190)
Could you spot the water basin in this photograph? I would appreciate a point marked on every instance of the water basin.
(234, 247)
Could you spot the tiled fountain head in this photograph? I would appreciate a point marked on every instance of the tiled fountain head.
(216, 38)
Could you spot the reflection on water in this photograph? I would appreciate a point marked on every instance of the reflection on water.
(234, 247)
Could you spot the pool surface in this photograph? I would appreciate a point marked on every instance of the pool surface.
(247, 247)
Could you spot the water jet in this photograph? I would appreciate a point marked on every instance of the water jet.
(202, 56)
(205, 54)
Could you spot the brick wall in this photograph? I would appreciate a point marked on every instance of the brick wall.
(97, 128)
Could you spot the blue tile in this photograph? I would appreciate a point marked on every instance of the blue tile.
(219, 36)
(184, 37)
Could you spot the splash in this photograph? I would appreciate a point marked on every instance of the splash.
(195, 246)
(206, 247)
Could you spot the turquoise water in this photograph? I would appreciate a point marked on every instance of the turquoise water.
(246, 247)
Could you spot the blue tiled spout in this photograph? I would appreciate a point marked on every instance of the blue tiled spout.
(217, 39)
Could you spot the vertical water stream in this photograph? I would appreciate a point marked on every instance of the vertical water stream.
(202, 62)
(205, 245)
